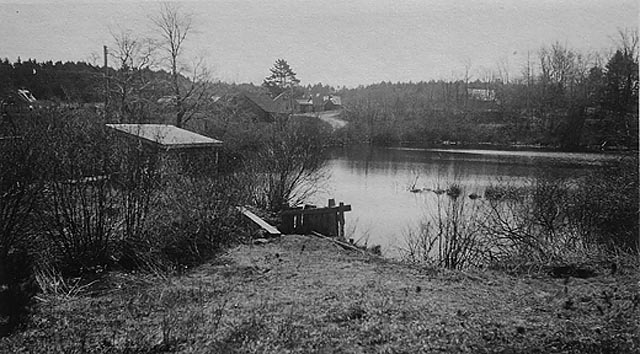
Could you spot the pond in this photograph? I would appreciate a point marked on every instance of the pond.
(391, 190)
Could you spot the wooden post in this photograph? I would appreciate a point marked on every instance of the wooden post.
(331, 220)
(106, 78)
(288, 224)
(341, 220)
(308, 220)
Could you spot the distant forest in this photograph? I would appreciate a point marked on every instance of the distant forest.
(567, 104)
(562, 100)
(58, 82)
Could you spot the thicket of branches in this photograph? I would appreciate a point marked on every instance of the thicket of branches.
(77, 199)
(545, 221)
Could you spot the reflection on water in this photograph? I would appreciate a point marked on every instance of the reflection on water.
(377, 182)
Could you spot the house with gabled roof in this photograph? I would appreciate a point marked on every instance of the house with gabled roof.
(261, 105)
(285, 103)
(331, 103)
(305, 105)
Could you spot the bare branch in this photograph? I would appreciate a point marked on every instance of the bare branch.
(174, 25)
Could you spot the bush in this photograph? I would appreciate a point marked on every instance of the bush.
(78, 199)
(17, 288)
(194, 218)
(452, 236)
(560, 220)
(110, 201)
(20, 188)
(288, 168)
(547, 220)
(606, 206)
(78, 211)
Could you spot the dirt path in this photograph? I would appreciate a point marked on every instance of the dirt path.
(302, 294)
(331, 117)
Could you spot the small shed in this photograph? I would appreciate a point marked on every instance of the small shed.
(193, 151)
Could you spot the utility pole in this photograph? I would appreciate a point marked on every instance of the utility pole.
(528, 84)
(106, 78)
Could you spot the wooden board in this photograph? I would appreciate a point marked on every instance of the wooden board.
(258, 221)
(316, 211)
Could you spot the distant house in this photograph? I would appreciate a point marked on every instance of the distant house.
(305, 105)
(318, 103)
(284, 103)
(331, 103)
(266, 109)
(261, 105)
(178, 149)
(482, 94)
(20, 101)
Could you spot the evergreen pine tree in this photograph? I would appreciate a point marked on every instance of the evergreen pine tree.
(282, 78)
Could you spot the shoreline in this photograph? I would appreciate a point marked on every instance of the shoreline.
(493, 147)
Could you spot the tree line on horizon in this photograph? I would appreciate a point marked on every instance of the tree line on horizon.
(563, 99)
(571, 101)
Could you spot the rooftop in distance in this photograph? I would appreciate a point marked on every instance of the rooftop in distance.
(167, 136)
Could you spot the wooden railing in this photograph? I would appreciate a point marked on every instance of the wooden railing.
(328, 220)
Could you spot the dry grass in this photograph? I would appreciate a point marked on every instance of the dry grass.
(301, 294)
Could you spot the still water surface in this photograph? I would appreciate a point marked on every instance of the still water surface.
(377, 181)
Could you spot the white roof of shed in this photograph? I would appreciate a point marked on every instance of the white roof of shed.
(167, 136)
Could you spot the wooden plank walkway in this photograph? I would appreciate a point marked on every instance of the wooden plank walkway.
(258, 221)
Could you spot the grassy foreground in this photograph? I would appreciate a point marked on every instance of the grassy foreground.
(301, 294)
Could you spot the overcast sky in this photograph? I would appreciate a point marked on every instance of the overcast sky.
(334, 42)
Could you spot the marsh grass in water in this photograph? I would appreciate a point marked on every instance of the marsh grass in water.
(544, 221)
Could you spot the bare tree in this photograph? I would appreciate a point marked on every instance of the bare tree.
(132, 56)
(629, 41)
(504, 69)
(563, 67)
(485, 74)
(467, 77)
(174, 26)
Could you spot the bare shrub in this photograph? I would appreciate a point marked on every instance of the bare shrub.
(137, 181)
(17, 199)
(546, 220)
(550, 198)
(20, 188)
(606, 205)
(419, 244)
(78, 211)
(289, 166)
(561, 220)
(452, 236)
(533, 227)
(96, 192)
(195, 217)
